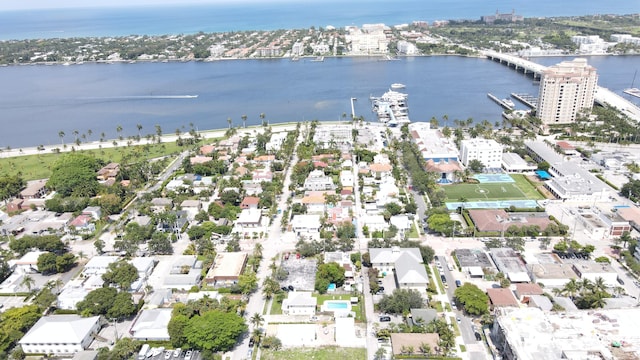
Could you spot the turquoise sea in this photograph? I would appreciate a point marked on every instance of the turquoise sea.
(278, 14)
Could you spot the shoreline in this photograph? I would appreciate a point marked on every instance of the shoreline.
(207, 60)
(209, 134)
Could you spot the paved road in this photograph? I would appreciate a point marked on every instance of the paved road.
(272, 246)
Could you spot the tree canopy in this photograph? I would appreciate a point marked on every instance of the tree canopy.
(122, 274)
(327, 274)
(474, 300)
(10, 186)
(401, 301)
(214, 331)
(74, 174)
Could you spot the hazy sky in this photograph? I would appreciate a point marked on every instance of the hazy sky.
(50, 4)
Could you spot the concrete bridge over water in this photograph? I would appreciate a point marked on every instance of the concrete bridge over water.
(603, 97)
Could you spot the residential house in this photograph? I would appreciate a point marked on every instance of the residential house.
(502, 297)
(374, 222)
(299, 303)
(411, 274)
(94, 211)
(306, 226)
(318, 181)
(249, 221)
(184, 273)
(98, 265)
(27, 264)
(226, 269)
(109, 171)
(199, 159)
(159, 205)
(82, 224)
(152, 325)
(174, 222)
(405, 263)
(192, 207)
(250, 202)
(261, 175)
(314, 202)
(422, 316)
(346, 178)
(36, 189)
(60, 334)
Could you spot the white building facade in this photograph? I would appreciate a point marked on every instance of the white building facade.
(487, 151)
(566, 89)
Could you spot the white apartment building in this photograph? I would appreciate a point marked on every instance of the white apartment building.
(487, 151)
(406, 48)
(370, 40)
(566, 89)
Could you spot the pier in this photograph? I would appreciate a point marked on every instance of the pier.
(500, 102)
(529, 100)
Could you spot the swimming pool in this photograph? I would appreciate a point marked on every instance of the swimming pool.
(336, 305)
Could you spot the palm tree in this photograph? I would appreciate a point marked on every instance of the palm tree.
(599, 285)
(28, 282)
(61, 134)
(244, 120)
(256, 335)
(262, 116)
(229, 122)
(598, 301)
(270, 287)
(425, 349)
(572, 288)
(139, 126)
(257, 250)
(81, 255)
(256, 320)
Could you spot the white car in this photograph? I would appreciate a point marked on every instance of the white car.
(168, 354)
(187, 356)
(177, 352)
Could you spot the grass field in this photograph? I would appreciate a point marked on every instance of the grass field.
(325, 353)
(520, 190)
(39, 166)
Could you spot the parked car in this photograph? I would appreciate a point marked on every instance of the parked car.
(168, 354)
(620, 281)
(385, 318)
(478, 336)
(284, 288)
(290, 287)
(188, 355)
(444, 279)
(458, 283)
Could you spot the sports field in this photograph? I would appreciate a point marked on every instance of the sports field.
(519, 190)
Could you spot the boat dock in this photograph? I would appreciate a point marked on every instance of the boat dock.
(529, 100)
(500, 102)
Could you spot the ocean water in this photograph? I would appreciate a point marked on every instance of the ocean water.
(270, 15)
(43, 100)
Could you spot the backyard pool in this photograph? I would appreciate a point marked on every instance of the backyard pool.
(336, 305)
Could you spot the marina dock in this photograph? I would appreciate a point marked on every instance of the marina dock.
(529, 100)
(502, 102)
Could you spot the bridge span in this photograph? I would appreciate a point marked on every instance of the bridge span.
(603, 96)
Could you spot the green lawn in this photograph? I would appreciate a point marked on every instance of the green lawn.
(520, 190)
(413, 233)
(39, 166)
(324, 353)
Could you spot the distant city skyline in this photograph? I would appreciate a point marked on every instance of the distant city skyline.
(67, 4)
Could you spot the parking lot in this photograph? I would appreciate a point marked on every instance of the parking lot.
(168, 354)
(302, 273)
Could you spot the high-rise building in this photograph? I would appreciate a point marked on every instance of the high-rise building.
(566, 89)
